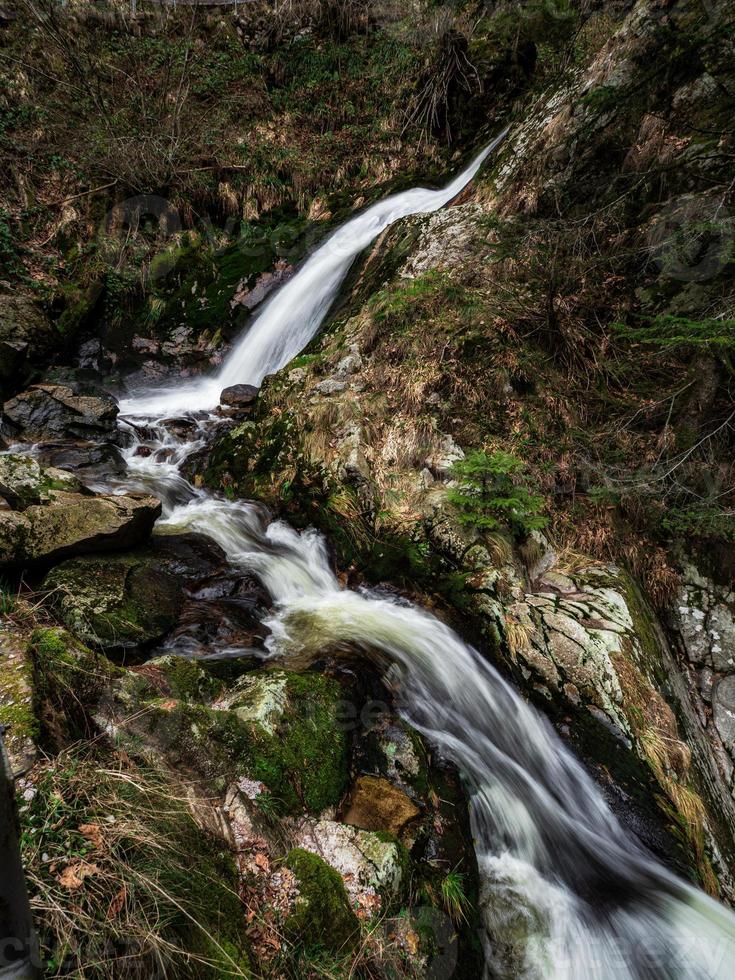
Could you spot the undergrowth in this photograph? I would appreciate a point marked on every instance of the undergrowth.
(123, 882)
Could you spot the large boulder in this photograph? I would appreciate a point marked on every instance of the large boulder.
(132, 599)
(281, 730)
(74, 523)
(51, 411)
(116, 602)
(91, 460)
(240, 397)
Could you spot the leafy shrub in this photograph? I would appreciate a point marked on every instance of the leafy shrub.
(488, 495)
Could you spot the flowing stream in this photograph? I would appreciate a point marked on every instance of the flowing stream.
(580, 897)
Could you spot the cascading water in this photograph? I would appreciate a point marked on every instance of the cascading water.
(293, 316)
(580, 897)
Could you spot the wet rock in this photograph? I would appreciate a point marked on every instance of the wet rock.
(375, 804)
(321, 915)
(20, 480)
(50, 411)
(74, 523)
(192, 557)
(374, 867)
(249, 298)
(88, 460)
(117, 602)
(226, 628)
(723, 709)
(241, 397)
(397, 753)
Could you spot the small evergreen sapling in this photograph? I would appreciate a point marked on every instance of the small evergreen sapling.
(488, 496)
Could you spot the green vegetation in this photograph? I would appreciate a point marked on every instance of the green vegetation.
(488, 495)
(454, 896)
(7, 598)
(301, 754)
(123, 880)
(674, 332)
(322, 917)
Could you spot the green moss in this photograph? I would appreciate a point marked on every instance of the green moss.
(82, 307)
(16, 700)
(117, 601)
(187, 679)
(299, 751)
(322, 915)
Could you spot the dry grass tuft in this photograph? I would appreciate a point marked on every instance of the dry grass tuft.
(124, 884)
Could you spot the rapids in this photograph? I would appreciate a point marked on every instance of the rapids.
(582, 899)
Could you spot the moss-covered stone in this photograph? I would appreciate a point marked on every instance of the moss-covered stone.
(321, 915)
(116, 602)
(17, 708)
(70, 681)
(276, 727)
(20, 480)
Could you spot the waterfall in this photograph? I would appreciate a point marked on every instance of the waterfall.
(554, 861)
(581, 897)
(293, 316)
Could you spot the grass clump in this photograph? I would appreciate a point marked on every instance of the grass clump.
(454, 896)
(123, 881)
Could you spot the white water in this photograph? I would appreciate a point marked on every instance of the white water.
(293, 316)
(557, 867)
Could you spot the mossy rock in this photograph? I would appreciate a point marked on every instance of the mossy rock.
(295, 719)
(116, 602)
(17, 712)
(70, 682)
(321, 916)
(276, 727)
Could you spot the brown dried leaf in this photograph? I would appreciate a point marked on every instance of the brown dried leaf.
(93, 833)
(117, 903)
(73, 875)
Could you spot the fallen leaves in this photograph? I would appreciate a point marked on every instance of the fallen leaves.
(73, 875)
(93, 833)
